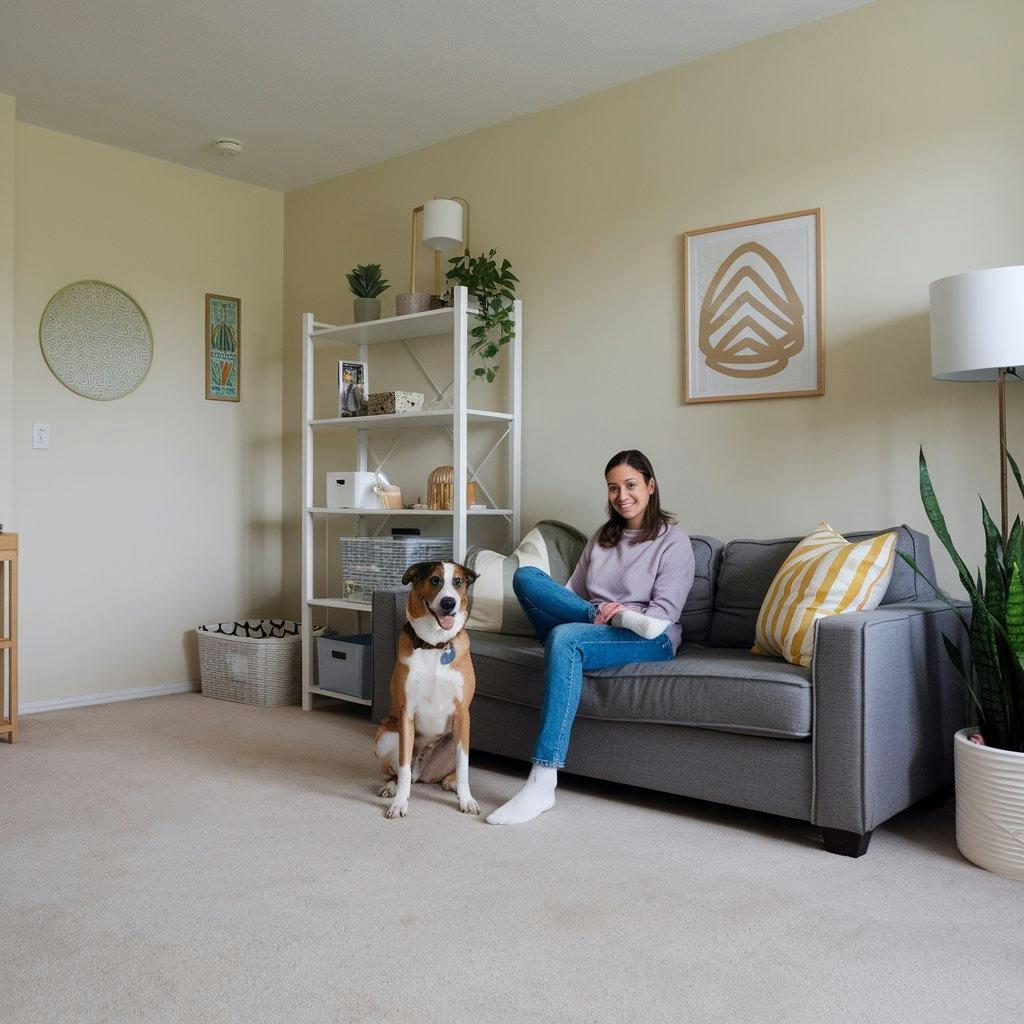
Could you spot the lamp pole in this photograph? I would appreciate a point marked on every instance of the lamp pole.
(1002, 453)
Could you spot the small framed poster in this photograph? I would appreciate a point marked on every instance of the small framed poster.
(753, 309)
(223, 348)
(353, 388)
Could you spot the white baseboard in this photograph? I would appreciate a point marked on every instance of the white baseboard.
(87, 699)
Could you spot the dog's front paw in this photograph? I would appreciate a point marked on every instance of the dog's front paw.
(389, 789)
(469, 806)
(397, 809)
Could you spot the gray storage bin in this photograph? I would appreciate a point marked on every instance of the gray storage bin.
(379, 563)
(345, 664)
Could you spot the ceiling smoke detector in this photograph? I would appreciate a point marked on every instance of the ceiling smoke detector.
(227, 147)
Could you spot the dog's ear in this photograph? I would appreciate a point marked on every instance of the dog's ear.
(471, 577)
(418, 571)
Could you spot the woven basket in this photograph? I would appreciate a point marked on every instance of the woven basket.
(441, 489)
(378, 563)
(258, 661)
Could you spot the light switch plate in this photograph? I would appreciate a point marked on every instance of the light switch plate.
(41, 435)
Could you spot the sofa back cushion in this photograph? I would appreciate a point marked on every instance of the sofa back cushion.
(749, 566)
(696, 615)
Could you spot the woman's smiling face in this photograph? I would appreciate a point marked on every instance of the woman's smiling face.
(629, 494)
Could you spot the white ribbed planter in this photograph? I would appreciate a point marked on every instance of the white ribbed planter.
(989, 805)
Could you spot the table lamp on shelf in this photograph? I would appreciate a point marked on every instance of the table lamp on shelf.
(442, 226)
(977, 334)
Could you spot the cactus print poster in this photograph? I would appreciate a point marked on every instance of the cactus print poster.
(223, 347)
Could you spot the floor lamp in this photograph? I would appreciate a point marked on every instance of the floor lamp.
(977, 331)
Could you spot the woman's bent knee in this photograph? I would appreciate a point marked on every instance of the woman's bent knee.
(523, 575)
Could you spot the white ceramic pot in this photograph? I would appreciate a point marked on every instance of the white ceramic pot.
(989, 805)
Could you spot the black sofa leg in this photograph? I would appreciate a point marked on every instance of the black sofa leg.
(846, 844)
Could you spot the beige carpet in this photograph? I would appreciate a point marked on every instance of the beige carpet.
(182, 859)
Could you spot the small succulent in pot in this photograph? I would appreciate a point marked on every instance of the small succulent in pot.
(367, 284)
(494, 288)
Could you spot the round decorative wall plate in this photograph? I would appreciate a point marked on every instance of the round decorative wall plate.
(96, 340)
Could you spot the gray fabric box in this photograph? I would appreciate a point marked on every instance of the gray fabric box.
(345, 664)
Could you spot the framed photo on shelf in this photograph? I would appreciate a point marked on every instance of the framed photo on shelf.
(223, 348)
(753, 309)
(353, 388)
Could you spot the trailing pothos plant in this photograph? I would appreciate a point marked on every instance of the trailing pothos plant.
(494, 289)
(994, 674)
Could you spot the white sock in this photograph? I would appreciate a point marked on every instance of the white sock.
(646, 626)
(537, 796)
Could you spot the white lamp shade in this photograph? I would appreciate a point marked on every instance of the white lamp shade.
(977, 323)
(442, 224)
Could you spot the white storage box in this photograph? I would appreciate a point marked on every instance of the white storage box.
(379, 563)
(352, 489)
(345, 664)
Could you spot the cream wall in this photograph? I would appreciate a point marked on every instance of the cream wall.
(6, 307)
(154, 513)
(900, 119)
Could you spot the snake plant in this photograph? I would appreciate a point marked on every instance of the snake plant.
(994, 675)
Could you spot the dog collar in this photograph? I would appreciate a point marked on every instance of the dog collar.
(419, 643)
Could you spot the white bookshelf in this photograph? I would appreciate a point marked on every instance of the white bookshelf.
(453, 415)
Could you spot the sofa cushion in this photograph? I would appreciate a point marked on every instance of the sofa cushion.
(749, 566)
(726, 690)
(696, 615)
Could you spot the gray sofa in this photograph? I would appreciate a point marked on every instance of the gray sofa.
(846, 744)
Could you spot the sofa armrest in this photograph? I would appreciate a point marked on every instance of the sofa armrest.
(388, 620)
(887, 701)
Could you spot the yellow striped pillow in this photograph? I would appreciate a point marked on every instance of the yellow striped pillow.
(824, 575)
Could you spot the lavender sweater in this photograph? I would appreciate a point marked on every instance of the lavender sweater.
(653, 577)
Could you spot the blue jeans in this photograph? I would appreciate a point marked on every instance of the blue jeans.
(564, 623)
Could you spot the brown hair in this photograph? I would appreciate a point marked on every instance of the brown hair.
(655, 517)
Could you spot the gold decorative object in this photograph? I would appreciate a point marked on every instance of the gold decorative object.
(441, 489)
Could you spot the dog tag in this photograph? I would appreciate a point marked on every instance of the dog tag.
(448, 655)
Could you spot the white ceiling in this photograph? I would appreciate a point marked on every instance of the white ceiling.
(315, 88)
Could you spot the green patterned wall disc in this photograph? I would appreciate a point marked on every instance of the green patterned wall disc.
(96, 340)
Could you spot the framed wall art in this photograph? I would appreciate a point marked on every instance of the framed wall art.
(753, 309)
(223, 348)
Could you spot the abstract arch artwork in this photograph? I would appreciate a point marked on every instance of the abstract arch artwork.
(753, 309)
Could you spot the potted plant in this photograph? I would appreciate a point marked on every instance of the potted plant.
(494, 289)
(367, 286)
(988, 758)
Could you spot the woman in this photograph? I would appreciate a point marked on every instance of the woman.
(621, 606)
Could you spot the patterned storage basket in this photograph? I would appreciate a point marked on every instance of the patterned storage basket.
(258, 661)
(379, 563)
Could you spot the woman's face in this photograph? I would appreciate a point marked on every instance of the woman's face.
(629, 494)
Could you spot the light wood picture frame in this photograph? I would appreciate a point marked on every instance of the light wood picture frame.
(753, 309)
(223, 348)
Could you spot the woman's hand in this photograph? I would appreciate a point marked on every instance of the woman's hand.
(607, 611)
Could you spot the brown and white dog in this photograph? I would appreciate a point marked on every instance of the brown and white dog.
(426, 737)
